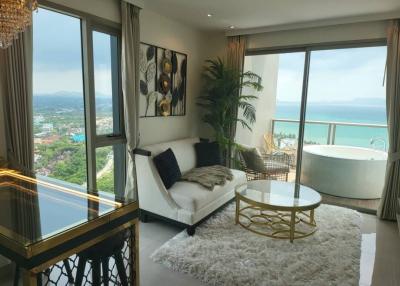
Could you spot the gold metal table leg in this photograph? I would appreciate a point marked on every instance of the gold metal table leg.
(237, 210)
(279, 224)
(292, 225)
(312, 216)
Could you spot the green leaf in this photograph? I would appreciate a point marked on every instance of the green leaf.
(222, 97)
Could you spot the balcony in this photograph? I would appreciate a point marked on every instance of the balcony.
(342, 94)
(363, 134)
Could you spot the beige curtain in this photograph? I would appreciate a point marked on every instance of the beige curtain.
(18, 102)
(236, 51)
(235, 59)
(17, 74)
(130, 88)
(391, 192)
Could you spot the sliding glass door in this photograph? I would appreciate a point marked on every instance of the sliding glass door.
(345, 141)
(277, 141)
(346, 86)
(324, 108)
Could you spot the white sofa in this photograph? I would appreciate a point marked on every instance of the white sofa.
(186, 203)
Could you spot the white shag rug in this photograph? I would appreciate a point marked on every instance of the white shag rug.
(222, 253)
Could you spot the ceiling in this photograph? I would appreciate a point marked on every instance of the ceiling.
(257, 14)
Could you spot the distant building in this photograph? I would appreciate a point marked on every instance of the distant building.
(37, 141)
(43, 172)
(51, 139)
(47, 127)
(78, 138)
(41, 134)
(75, 130)
(288, 143)
(37, 119)
(37, 157)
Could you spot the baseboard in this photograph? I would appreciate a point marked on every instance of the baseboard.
(359, 209)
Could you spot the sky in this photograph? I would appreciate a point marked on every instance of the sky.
(335, 75)
(57, 55)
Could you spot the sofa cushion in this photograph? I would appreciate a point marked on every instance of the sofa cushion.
(207, 154)
(253, 160)
(183, 150)
(193, 197)
(167, 167)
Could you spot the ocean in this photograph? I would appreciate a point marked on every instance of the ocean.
(345, 135)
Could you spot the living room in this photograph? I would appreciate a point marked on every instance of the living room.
(199, 142)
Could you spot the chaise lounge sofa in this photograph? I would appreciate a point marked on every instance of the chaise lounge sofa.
(185, 203)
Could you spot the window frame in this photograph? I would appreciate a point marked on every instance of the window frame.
(308, 49)
(89, 25)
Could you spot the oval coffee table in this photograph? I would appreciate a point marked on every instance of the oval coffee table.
(272, 209)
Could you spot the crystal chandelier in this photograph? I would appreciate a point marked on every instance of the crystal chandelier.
(15, 16)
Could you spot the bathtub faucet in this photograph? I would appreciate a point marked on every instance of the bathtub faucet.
(378, 139)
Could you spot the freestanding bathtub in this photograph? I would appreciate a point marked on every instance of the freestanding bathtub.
(344, 171)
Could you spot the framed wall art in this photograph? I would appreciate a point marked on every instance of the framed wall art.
(163, 81)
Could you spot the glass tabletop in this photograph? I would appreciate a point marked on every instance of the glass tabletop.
(33, 209)
(279, 194)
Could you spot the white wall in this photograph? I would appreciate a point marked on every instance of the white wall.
(336, 33)
(161, 31)
(265, 66)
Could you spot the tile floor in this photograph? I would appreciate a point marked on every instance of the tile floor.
(369, 206)
(380, 258)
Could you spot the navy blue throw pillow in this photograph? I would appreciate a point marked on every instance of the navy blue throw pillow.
(207, 154)
(167, 167)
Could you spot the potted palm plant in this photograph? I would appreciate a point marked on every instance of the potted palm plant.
(223, 99)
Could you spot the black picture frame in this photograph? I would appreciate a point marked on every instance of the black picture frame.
(178, 81)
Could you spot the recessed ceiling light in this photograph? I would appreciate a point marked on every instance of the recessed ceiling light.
(209, 15)
(231, 27)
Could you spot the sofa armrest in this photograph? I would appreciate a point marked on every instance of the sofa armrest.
(153, 196)
(138, 151)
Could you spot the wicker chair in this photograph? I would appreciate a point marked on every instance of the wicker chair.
(277, 167)
(271, 148)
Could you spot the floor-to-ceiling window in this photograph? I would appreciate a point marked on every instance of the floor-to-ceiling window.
(282, 77)
(110, 150)
(346, 117)
(77, 106)
(58, 102)
(343, 96)
(346, 86)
